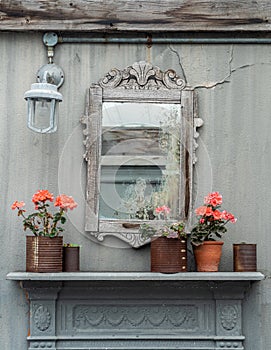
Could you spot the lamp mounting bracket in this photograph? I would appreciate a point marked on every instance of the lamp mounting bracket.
(50, 73)
(50, 39)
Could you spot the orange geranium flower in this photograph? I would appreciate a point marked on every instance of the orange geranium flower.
(17, 205)
(201, 210)
(209, 211)
(42, 196)
(45, 222)
(217, 214)
(65, 202)
(228, 216)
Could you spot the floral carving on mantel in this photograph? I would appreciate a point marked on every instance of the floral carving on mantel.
(228, 317)
(42, 318)
(142, 75)
(135, 316)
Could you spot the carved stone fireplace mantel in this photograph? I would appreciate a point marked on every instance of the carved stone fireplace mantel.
(111, 310)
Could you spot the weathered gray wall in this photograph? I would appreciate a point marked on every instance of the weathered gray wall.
(233, 84)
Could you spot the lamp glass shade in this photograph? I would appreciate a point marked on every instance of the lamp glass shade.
(42, 111)
(42, 115)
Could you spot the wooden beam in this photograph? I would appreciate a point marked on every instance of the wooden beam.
(140, 15)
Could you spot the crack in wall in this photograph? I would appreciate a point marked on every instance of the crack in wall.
(221, 82)
(180, 62)
(213, 84)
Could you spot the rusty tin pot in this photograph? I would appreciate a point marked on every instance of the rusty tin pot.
(208, 255)
(168, 255)
(44, 254)
(71, 259)
(244, 257)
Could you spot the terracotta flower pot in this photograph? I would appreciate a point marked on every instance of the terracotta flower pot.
(168, 255)
(208, 255)
(44, 254)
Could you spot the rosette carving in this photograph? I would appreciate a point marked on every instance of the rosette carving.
(228, 317)
(42, 318)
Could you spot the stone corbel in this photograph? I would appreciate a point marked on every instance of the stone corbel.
(42, 298)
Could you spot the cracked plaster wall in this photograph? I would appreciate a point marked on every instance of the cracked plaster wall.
(233, 86)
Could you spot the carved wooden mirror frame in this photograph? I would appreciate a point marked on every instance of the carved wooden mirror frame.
(141, 82)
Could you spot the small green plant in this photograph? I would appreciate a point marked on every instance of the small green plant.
(71, 245)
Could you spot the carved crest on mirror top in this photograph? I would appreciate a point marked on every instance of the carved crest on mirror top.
(142, 75)
(139, 83)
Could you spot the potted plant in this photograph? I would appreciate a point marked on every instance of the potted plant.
(168, 243)
(71, 257)
(211, 226)
(44, 248)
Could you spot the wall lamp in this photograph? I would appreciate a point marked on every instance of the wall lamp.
(43, 97)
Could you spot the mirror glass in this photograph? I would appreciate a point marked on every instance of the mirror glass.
(140, 161)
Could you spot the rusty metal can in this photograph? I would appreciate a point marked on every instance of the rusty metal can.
(168, 255)
(71, 259)
(244, 257)
(44, 254)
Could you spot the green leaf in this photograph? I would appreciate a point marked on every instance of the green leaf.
(63, 220)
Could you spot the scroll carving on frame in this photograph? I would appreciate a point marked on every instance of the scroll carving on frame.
(142, 75)
(140, 138)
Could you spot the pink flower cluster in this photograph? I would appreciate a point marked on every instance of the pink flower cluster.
(162, 212)
(213, 199)
(65, 202)
(163, 209)
(210, 211)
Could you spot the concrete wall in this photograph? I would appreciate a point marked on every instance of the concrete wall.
(233, 84)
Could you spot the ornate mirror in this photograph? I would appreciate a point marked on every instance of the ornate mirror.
(140, 150)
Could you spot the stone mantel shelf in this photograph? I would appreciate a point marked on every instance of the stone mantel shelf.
(136, 310)
(136, 276)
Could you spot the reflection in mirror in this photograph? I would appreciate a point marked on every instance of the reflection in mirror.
(140, 165)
